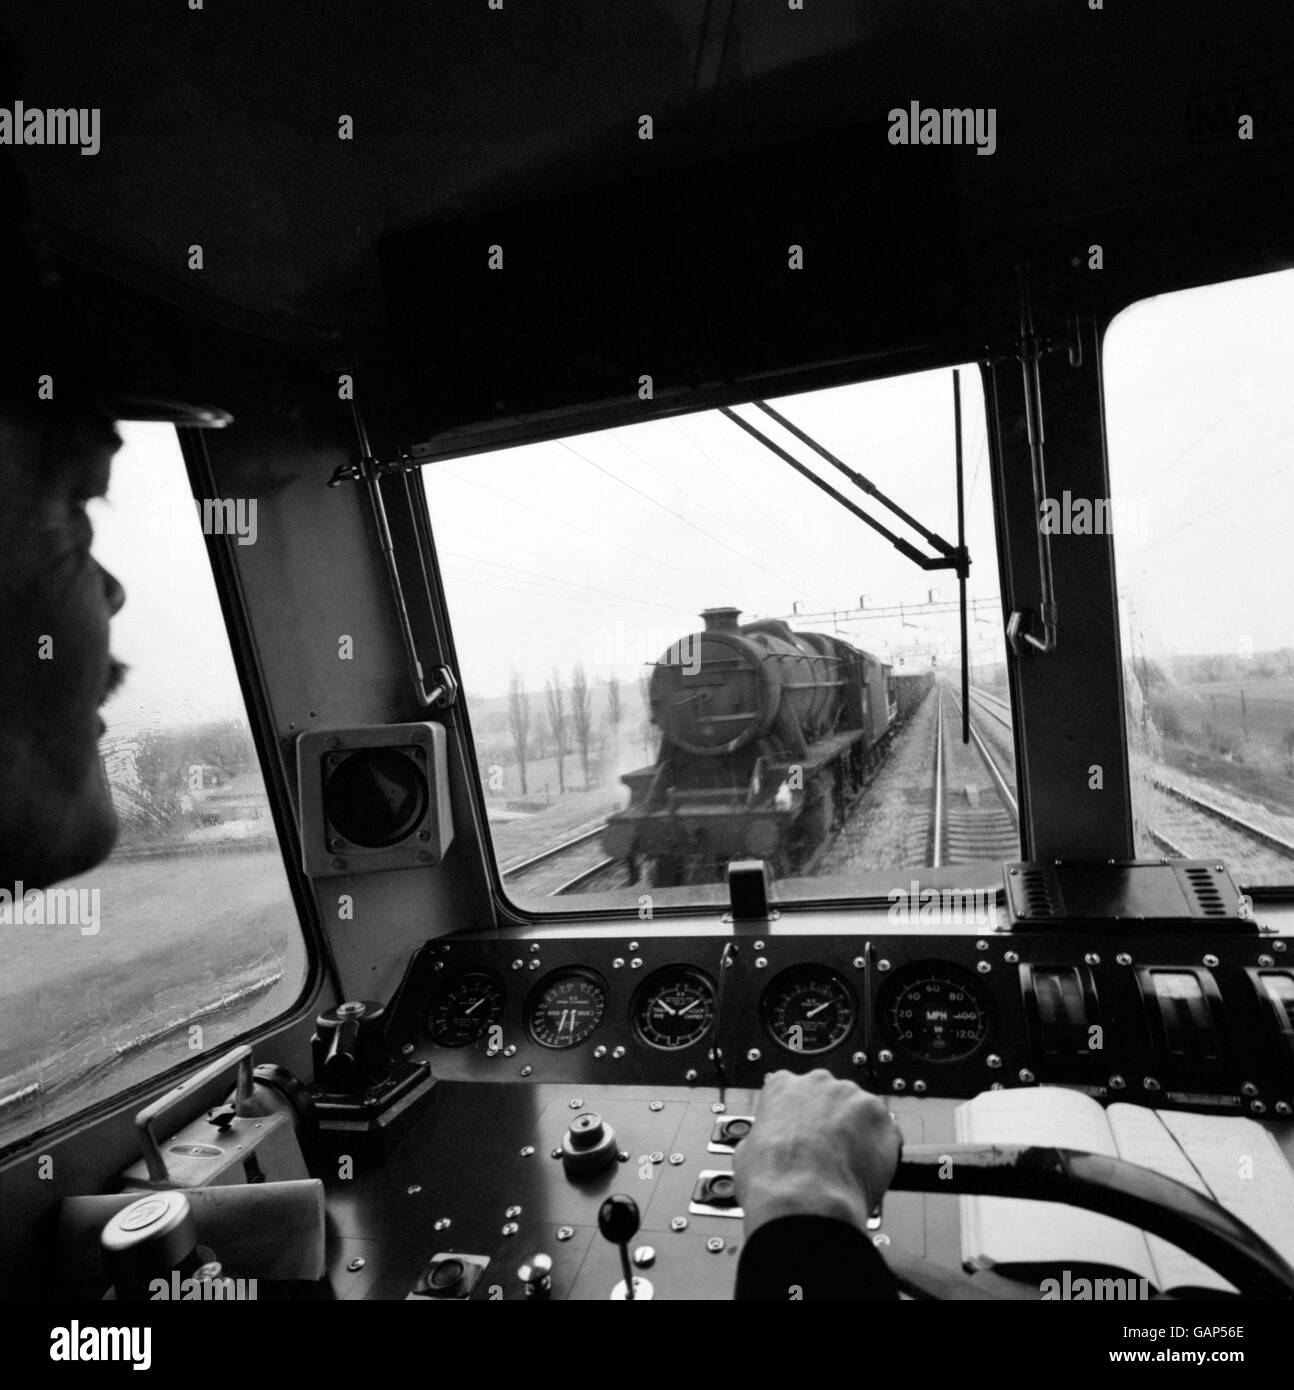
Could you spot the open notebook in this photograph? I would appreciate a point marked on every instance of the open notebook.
(1233, 1160)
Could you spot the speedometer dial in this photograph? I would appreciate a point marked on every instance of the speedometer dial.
(566, 1008)
(463, 1009)
(935, 1012)
(808, 1010)
(674, 1008)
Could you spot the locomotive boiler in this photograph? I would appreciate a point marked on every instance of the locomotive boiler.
(767, 737)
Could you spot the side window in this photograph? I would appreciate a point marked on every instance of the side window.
(187, 935)
(1200, 424)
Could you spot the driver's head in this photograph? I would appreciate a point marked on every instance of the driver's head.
(56, 445)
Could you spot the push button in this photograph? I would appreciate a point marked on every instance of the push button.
(449, 1276)
(715, 1194)
(728, 1132)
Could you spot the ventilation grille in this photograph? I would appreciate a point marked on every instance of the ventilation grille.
(1038, 895)
(1208, 900)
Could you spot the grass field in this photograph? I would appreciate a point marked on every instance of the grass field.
(1246, 747)
(176, 936)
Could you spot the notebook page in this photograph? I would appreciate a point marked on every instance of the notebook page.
(1218, 1146)
(1142, 1139)
(1009, 1231)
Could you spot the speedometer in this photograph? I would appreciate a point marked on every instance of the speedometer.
(808, 1010)
(935, 1012)
(464, 1008)
(674, 1008)
(566, 1008)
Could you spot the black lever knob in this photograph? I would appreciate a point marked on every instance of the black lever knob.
(619, 1219)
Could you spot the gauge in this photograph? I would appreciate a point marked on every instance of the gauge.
(674, 1008)
(462, 1009)
(809, 1009)
(566, 1008)
(934, 1011)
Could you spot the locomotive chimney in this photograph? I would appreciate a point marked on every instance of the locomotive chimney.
(721, 619)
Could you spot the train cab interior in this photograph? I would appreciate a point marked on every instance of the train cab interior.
(665, 543)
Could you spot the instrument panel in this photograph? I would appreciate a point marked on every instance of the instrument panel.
(1198, 1021)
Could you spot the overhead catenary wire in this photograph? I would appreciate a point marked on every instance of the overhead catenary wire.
(723, 521)
(615, 545)
(548, 579)
(746, 559)
(844, 585)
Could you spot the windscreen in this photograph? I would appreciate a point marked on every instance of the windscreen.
(679, 650)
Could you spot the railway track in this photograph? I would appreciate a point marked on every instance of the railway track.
(549, 872)
(1197, 828)
(993, 705)
(975, 814)
(1188, 826)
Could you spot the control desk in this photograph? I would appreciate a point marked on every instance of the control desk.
(558, 1065)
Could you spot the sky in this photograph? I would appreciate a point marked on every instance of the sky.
(604, 548)
(1200, 421)
(171, 631)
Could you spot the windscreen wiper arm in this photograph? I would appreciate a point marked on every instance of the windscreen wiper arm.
(951, 557)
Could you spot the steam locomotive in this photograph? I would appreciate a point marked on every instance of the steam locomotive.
(767, 737)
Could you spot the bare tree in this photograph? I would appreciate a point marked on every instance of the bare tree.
(615, 707)
(555, 699)
(581, 716)
(519, 721)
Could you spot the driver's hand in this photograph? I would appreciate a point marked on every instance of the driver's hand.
(819, 1147)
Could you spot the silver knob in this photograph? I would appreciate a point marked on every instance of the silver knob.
(536, 1274)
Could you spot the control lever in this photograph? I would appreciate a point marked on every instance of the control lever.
(618, 1220)
(349, 1055)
